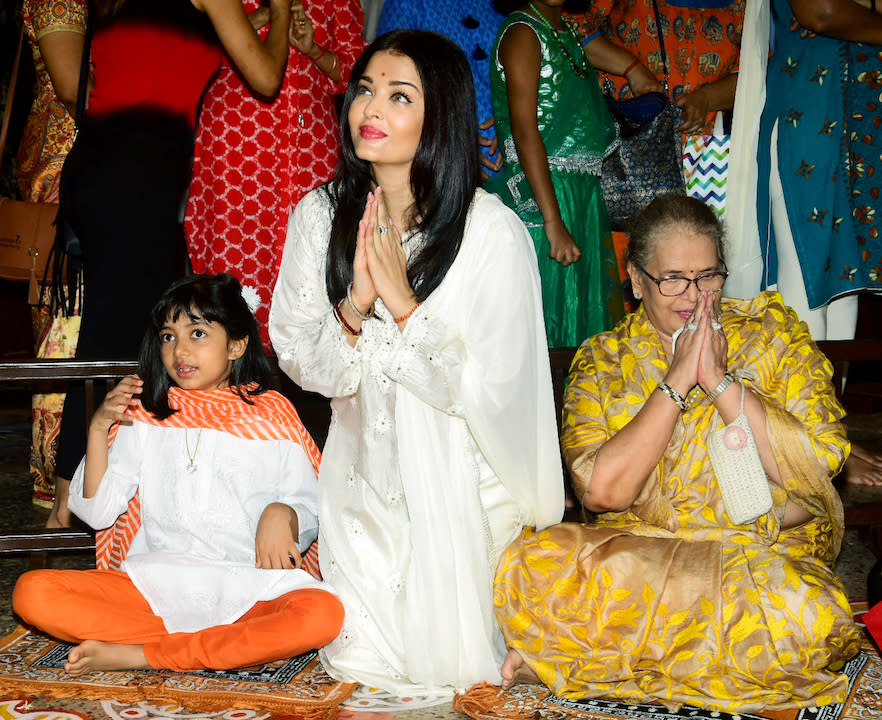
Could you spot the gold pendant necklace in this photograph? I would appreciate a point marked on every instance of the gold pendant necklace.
(191, 466)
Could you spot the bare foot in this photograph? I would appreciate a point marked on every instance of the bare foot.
(863, 467)
(864, 454)
(60, 515)
(97, 655)
(515, 671)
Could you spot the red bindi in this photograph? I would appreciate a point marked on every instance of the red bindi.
(382, 74)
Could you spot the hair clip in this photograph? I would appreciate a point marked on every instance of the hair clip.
(251, 298)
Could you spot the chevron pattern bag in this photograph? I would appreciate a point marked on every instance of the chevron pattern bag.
(706, 166)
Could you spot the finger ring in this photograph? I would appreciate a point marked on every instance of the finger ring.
(691, 326)
(716, 325)
(382, 229)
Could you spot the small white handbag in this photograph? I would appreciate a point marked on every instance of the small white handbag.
(740, 473)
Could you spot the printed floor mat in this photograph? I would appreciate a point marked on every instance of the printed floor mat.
(488, 702)
(32, 666)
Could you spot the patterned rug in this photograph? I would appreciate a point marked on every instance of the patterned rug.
(488, 702)
(32, 666)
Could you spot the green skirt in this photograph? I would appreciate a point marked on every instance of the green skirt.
(584, 298)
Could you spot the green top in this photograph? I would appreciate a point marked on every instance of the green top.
(573, 118)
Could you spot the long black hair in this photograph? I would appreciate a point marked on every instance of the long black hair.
(443, 176)
(217, 299)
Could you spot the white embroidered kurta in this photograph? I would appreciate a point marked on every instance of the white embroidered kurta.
(442, 445)
(193, 558)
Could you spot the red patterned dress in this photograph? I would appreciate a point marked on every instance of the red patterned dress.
(254, 159)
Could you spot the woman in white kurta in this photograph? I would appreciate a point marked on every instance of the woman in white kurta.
(442, 441)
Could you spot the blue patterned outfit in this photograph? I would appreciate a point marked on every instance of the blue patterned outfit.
(824, 95)
(471, 25)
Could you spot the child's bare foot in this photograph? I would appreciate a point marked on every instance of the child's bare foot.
(515, 671)
(97, 655)
(863, 467)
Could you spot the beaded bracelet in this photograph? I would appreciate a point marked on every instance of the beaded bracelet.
(673, 394)
(406, 315)
(363, 316)
(342, 320)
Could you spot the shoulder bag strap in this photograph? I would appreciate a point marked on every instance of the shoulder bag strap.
(659, 28)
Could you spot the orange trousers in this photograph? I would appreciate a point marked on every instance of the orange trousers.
(77, 605)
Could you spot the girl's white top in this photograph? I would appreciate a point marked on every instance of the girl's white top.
(442, 446)
(194, 557)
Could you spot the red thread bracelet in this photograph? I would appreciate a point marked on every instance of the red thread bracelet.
(406, 315)
(631, 66)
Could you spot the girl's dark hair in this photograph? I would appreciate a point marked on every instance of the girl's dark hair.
(663, 212)
(217, 299)
(444, 174)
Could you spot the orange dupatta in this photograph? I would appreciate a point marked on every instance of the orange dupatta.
(269, 416)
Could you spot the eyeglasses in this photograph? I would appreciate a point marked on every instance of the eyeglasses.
(673, 286)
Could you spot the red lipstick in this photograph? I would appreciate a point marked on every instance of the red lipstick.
(369, 132)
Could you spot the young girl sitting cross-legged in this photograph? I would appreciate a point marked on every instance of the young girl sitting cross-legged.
(225, 474)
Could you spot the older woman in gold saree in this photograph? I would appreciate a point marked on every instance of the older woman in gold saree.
(665, 598)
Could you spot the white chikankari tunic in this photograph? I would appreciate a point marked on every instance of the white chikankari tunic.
(193, 559)
(442, 446)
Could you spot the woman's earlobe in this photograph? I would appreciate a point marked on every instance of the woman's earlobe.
(635, 291)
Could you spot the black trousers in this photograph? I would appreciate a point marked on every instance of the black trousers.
(121, 191)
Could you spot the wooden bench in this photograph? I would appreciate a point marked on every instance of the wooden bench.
(862, 508)
(37, 373)
(51, 375)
